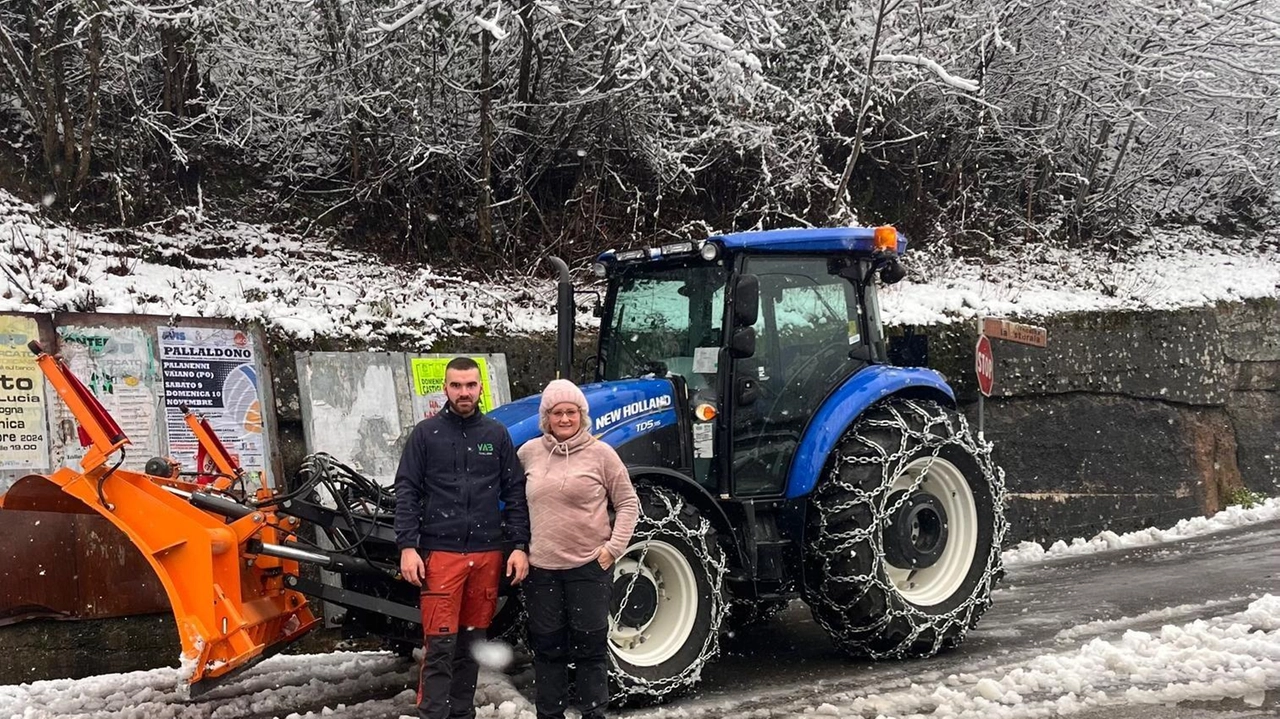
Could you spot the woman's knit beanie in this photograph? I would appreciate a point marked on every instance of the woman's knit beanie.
(560, 391)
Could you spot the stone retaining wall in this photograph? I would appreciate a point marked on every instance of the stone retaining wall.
(1127, 419)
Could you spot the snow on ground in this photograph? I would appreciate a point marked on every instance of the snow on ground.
(1236, 516)
(1236, 656)
(1229, 656)
(1172, 268)
(308, 287)
(283, 686)
(1232, 655)
(304, 288)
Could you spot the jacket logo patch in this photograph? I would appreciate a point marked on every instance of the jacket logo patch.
(485, 449)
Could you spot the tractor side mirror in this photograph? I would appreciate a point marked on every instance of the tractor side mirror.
(893, 272)
(746, 304)
(743, 342)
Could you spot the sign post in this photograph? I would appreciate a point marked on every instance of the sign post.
(984, 364)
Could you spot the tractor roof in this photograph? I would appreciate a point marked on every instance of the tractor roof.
(804, 239)
(815, 240)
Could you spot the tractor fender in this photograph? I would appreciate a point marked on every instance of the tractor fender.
(845, 404)
(694, 493)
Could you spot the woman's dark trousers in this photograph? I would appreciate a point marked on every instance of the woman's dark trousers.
(569, 624)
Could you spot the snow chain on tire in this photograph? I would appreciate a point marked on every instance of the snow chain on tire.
(850, 510)
(666, 515)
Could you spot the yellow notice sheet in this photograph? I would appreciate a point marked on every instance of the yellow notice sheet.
(23, 435)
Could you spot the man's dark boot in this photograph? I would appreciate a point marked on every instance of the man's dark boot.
(466, 671)
(435, 677)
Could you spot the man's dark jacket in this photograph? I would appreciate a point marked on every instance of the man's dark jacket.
(460, 486)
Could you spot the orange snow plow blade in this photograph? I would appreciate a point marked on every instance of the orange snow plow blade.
(230, 602)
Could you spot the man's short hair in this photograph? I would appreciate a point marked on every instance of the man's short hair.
(462, 364)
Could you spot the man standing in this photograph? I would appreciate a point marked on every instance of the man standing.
(459, 500)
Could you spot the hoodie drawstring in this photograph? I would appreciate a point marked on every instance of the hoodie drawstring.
(563, 447)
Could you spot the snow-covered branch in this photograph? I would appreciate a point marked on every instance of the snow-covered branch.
(946, 77)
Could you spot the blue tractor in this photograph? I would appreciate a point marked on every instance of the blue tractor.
(745, 381)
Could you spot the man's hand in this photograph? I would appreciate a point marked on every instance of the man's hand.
(518, 566)
(412, 567)
(605, 559)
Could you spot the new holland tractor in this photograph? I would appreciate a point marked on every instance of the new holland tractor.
(746, 383)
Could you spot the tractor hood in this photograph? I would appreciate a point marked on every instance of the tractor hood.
(620, 410)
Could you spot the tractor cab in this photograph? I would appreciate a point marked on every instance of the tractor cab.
(801, 315)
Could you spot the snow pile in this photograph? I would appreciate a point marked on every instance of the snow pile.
(298, 687)
(305, 288)
(1205, 660)
(1171, 269)
(1236, 516)
(251, 273)
(1232, 656)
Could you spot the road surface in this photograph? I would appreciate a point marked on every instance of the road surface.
(1051, 608)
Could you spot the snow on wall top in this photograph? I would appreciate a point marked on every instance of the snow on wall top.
(307, 288)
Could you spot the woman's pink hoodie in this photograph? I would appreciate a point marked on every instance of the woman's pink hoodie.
(570, 486)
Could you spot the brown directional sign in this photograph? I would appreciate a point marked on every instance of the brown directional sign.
(998, 329)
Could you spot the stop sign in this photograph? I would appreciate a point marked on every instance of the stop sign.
(984, 364)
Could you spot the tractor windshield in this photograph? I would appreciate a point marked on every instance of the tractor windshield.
(660, 317)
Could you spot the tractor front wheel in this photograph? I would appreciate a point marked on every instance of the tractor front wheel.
(902, 542)
(668, 600)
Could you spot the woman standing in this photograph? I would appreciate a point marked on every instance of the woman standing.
(573, 478)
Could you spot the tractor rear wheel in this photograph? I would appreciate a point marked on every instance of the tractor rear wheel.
(903, 535)
(668, 600)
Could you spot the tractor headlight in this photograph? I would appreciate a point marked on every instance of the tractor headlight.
(710, 251)
(600, 269)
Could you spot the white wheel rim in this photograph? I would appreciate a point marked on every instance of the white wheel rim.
(935, 584)
(677, 606)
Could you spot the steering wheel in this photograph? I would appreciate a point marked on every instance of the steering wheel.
(801, 375)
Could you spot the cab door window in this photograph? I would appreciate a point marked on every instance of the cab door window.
(808, 324)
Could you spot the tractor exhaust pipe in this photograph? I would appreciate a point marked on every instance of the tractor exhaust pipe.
(564, 320)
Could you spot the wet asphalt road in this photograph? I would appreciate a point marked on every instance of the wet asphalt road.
(789, 663)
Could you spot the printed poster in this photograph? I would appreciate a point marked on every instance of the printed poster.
(428, 385)
(24, 442)
(212, 372)
(119, 365)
